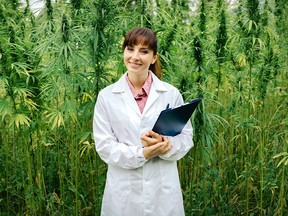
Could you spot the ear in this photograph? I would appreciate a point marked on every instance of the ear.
(155, 57)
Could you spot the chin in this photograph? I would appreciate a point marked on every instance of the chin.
(137, 71)
(133, 69)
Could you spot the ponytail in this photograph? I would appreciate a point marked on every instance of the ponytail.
(156, 69)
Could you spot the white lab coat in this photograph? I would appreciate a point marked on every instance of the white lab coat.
(134, 185)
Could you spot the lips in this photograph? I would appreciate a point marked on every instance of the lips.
(134, 64)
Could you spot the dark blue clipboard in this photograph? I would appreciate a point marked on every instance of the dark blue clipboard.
(171, 121)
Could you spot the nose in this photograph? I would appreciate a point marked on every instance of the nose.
(135, 55)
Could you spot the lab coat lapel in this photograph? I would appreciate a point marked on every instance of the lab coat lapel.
(156, 88)
(153, 95)
(122, 87)
(130, 101)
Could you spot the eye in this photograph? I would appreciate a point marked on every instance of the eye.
(145, 51)
(129, 48)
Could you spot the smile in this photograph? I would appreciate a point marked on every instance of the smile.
(135, 63)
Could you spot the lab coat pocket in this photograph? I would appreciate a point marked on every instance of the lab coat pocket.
(118, 183)
(169, 177)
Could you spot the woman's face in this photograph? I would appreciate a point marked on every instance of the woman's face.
(138, 58)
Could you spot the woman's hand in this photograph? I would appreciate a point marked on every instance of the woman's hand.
(154, 144)
(150, 138)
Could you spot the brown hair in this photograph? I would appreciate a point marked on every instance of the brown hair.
(145, 37)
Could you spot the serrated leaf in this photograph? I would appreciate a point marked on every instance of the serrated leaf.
(56, 118)
(21, 119)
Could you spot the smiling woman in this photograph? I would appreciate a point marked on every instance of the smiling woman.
(142, 177)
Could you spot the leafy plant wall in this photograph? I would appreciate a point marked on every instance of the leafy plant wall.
(53, 64)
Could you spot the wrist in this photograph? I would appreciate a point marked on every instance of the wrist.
(145, 153)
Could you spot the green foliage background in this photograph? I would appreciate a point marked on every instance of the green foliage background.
(53, 64)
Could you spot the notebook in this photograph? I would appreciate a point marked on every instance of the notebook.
(171, 121)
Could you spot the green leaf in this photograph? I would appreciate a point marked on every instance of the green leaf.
(284, 160)
(56, 118)
(20, 119)
(281, 154)
(5, 108)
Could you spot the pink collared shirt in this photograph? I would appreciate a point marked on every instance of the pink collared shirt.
(141, 98)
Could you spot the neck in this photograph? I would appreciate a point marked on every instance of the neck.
(137, 80)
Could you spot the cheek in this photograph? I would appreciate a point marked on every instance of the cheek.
(126, 55)
(125, 58)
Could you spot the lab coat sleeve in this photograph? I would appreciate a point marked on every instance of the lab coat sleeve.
(107, 146)
(181, 143)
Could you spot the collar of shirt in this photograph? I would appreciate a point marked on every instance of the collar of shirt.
(144, 90)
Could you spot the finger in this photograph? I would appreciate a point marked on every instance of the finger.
(148, 141)
(158, 149)
(166, 140)
(166, 145)
(155, 135)
(152, 135)
(167, 150)
(162, 147)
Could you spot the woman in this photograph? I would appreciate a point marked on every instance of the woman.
(142, 176)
